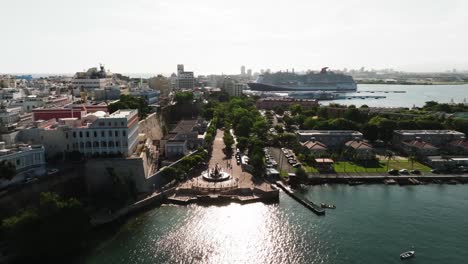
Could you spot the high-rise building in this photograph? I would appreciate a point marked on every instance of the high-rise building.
(185, 80)
(249, 72)
(242, 70)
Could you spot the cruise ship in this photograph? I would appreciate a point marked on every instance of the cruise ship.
(289, 81)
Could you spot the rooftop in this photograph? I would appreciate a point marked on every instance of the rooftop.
(431, 132)
(420, 144)
(329, 132)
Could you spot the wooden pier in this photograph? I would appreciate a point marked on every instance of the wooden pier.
(301, 199)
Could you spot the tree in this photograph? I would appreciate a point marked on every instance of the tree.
(301, 174)
(228, 140)
(295, 109)
(370, 132)
(183, 98)
(412, 159)
(131, 102)
(7, 170)
(55, 229)
(323, 112)
(310, 122)
(242, 143)
(389, 155)
(353, 114)
(244, 126)
(169, 174)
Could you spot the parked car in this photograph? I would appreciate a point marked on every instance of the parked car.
(297, 165)
(292, 161)
(436, 171)
(29, 180)
(393, 172)
(52, 171)
(416, 172)
(403, 171)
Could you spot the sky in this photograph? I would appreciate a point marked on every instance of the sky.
(218, 36)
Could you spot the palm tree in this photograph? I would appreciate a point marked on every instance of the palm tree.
(389, 155)
(412, 159)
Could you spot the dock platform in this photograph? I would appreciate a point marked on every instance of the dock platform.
(301, 199)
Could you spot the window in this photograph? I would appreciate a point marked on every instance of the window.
(111, 143)
(110, 133)
(74, 134)
(87, 134)
(117, 144)
(96, 144)
(102, 134)
(18, 162)
(110, 124)
(88, 144)
(124, 133)
(116, 133)
(95, 134)
(81, 145)
(66, 135)
(103, 144)
(81, 134)
(122, 123)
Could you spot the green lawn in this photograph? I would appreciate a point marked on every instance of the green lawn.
(309, 169)
(373, 166)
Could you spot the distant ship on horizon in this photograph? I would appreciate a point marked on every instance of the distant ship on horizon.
(289, 81)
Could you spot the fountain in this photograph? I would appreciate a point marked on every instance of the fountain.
(216, 175)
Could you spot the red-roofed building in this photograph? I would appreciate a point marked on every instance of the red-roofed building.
(459, 147)
(420, 148)
(315, 147)
(76, 111)
(361, 149)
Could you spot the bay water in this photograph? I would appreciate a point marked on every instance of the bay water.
(371, 224)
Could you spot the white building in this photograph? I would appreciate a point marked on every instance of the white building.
(94, 134)
(28, 160)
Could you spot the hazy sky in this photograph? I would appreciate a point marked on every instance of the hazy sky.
(215, 36)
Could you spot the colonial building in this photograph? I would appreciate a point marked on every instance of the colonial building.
(97, 133)
(459, 147)
(333, 139)
(187, 135)
(315, 147)
(438, 138)
(361, 150)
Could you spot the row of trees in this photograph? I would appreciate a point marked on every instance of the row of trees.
(250, 127)
(373, 125)
(185, 166)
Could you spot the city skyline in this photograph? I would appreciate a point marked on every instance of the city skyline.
(212, 37)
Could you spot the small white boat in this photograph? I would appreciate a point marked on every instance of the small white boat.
(407, 254)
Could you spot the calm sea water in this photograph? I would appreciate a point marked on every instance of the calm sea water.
(372, 224)
(416, 95)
